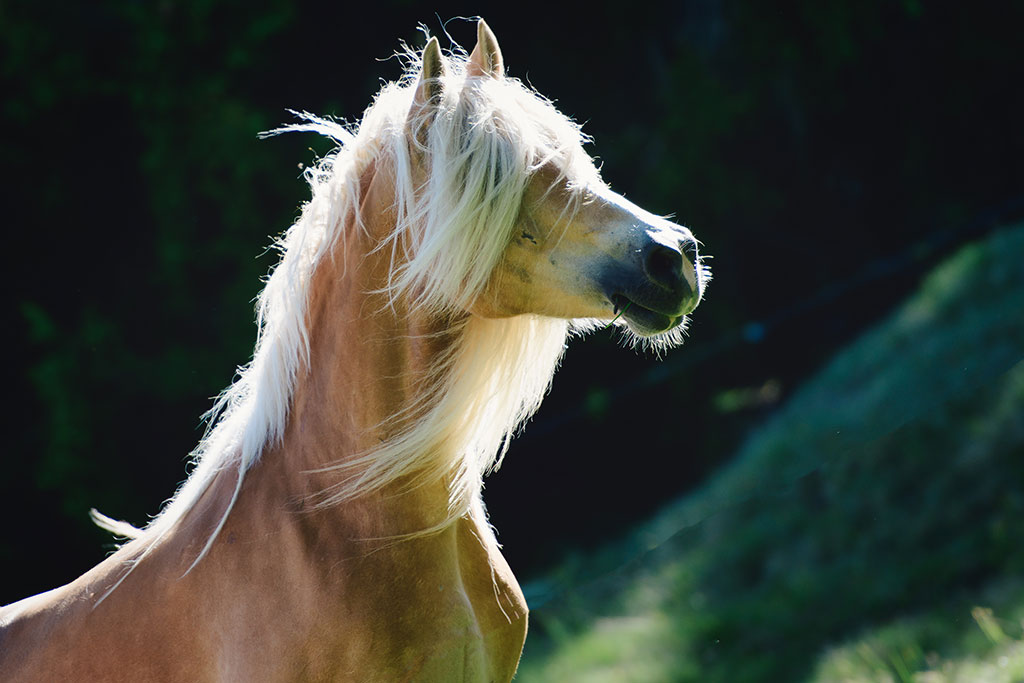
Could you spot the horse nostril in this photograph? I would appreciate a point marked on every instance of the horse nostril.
(664, 266)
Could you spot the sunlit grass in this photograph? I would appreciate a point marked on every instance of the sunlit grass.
(614, 649)
(952, 644)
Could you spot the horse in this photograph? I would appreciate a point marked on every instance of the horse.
(332, 525)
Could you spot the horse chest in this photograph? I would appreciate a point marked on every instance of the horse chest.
(461, 620)
(441, 608)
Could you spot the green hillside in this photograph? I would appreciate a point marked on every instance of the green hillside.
(871, 530)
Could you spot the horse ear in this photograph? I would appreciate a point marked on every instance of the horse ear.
(428, 89)
(485, 59)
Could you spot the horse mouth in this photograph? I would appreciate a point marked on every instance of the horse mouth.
(642, 320)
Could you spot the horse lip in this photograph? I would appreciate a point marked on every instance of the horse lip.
(644, 305)
(641, 318)
(678, 307)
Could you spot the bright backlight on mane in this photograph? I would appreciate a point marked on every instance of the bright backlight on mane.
(460, 168)
(483, 141)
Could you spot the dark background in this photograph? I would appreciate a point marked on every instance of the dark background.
(827, 154)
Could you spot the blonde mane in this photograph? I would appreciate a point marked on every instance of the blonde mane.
(482, 142)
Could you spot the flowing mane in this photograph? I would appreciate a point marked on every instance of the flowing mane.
(484, 140)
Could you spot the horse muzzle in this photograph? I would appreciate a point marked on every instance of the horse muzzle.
(656, 294)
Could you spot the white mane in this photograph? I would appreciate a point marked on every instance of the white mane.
(482, 142)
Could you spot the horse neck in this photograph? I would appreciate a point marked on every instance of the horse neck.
(370, 359)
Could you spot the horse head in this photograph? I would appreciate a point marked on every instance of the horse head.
(552, 238)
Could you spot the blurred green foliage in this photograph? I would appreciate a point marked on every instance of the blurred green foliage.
(889, 484)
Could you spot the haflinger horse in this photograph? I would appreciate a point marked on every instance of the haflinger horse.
(332, 527)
